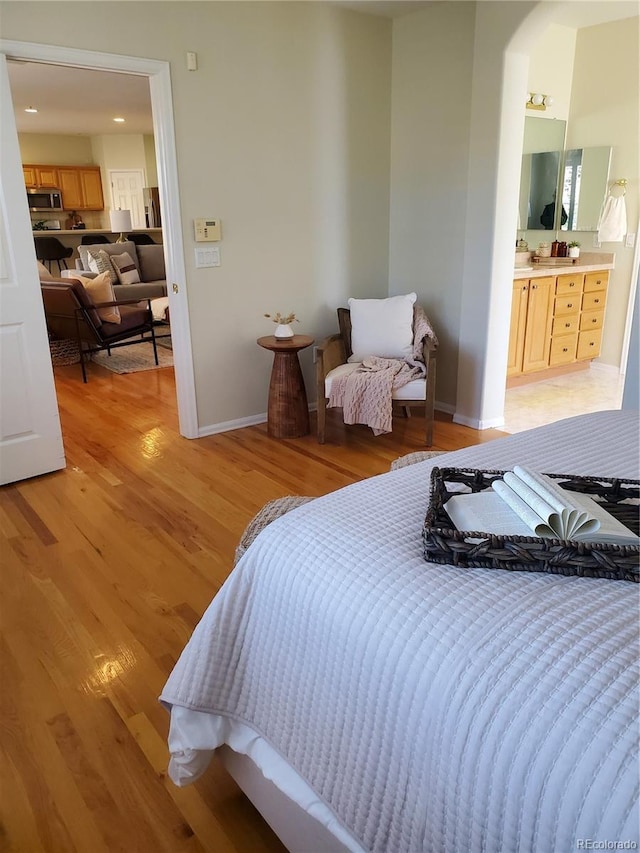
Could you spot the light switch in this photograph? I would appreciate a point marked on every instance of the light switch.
(209, 257)
(630, 240)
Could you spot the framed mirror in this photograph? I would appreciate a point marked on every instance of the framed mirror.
(540, 176)
(584, 186)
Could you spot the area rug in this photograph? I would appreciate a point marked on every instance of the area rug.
(134, 358)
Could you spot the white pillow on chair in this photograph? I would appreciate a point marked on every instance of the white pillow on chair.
(382, 327)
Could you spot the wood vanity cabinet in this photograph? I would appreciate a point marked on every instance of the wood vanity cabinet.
(37, 177)
(531, 320)
(81, 188)
(556, 320)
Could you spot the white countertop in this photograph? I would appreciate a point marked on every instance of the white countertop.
(587, 262)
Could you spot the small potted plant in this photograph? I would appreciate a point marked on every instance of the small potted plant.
(283, 324)
(574, 249)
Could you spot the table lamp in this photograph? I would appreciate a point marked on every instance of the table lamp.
(120, 221)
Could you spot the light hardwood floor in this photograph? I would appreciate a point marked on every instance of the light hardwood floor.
(106, 568)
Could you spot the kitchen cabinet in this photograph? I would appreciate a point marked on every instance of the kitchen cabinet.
(531, 323)
(556, 320)
(36, 177)
(81, 188)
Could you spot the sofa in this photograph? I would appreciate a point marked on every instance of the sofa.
(148, 260)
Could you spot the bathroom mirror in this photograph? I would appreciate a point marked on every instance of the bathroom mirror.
(540, 176)
(584, 187)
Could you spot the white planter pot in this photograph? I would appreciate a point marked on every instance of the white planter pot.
(574, 251)
(283, 331)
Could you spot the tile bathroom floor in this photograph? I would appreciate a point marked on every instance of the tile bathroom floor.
(561, 397)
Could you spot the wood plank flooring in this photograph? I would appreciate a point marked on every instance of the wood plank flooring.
(106, 568)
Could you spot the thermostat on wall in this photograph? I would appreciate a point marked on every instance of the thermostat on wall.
(206, 230)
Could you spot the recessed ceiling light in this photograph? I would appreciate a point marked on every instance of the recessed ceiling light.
(119, 119)
(31, 110)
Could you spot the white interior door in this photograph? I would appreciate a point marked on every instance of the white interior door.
(126, 194)
(30, 435)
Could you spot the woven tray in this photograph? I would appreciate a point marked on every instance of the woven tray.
(443, 543)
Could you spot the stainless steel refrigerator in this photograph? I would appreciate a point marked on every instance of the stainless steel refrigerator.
(152, 207)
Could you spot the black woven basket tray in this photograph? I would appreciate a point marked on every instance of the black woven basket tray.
(443, 543)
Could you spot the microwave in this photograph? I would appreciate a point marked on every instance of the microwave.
(44, 200)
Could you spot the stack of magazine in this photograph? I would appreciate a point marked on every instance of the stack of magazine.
(525, 503)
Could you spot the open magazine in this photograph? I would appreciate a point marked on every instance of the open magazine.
(526, 503)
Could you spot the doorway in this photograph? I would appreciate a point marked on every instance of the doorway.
(157, 74)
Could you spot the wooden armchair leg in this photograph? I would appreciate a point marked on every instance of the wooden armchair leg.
(430, 401)
(322, 415)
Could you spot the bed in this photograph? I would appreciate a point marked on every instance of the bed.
(390, 704)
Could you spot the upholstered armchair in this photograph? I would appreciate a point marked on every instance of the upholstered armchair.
(336, 358)
(71, 313)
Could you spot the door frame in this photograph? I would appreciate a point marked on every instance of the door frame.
(158, 73)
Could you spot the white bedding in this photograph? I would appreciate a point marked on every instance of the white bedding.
(430, 708)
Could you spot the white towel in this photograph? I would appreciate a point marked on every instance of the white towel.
(612, 225)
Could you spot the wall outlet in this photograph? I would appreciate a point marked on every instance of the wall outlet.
(630, 240)
(209, 257)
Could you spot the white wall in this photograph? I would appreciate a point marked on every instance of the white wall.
(55, 149)
(429, 169)
(605, 110)
(282, 133)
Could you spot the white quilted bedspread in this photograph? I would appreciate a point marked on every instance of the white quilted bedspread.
(433, 708)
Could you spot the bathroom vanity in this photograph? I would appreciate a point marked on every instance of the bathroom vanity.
(557, 315)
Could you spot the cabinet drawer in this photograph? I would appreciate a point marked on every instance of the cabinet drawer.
(566, 305)
(589, 344)
(569, 284)
(594, 300)
(563, 349)
(596, 281)
(565, 325)
(591, 320)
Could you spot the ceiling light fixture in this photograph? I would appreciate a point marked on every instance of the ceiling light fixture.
(536, 101)
(119, 119)
(31, 110)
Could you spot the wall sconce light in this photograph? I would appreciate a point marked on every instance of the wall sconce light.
(538, 102)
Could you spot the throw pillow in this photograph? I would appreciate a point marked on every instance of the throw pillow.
(43, 273)
(100, 289)
(382, 327)
(99, 262)
(126, 270)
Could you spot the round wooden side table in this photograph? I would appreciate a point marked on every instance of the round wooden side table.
(288, 413)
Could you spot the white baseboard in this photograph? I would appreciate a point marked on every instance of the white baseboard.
(474, 423)
(227, 426)
(447, 408)
(606, 368)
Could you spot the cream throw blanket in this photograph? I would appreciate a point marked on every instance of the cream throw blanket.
(366, 395)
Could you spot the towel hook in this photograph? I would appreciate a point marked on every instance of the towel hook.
(621, 182)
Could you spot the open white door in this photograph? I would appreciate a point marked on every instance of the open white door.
(30, 435)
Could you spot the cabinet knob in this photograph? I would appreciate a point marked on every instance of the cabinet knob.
(565, 349)
(526, 287)
(599, 281)
(595, 320)
(567, 325)
(572, 284)
(569, 304)
(591, 344)
(596, 301)
(534, 286)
